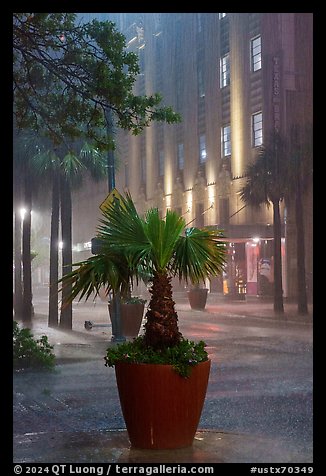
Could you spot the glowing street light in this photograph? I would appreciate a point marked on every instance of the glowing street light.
(22, 212)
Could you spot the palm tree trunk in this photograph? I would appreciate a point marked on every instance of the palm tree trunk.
(27, 310)
(301, 268)
(278, 288)
(54, 254)
(17, 202)
(18, 289)
(66, 213)
(161, 328)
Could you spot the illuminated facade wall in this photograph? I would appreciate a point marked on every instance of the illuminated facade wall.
(184, 59)
(233, 77)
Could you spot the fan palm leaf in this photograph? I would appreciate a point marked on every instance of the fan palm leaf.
(199, 254)
(108, 271)
(163, 247)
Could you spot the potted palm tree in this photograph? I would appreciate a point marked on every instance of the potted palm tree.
(161, 376)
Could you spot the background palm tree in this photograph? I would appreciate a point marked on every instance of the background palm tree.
(300, 179)
(65, 171)
(17, 203)
(266, 183)
(65, 96)
(25, 186)
(165, 248)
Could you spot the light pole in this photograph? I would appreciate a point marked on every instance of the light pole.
(117, 335)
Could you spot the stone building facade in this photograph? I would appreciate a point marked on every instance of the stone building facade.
(234, 77)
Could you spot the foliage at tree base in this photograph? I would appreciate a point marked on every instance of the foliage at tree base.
(182, 356)
(30, 352)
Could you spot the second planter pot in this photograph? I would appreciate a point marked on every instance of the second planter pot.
(197, 298)
(131, 318)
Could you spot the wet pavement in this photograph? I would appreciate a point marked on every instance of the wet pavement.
(258, 406)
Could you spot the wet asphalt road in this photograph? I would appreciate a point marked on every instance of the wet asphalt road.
(260, 382)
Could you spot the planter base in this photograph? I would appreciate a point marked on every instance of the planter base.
(161, 409)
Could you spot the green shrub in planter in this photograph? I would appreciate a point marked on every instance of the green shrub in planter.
(183, 356)
(31, 352)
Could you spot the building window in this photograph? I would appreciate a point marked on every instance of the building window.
(255, 48)
(221, 15)
(225, 71)
(226, 141)
(257, 129)
(201, 87)
(161, 163)
(202, 149)
(180, 157)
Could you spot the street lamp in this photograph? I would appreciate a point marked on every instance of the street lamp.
(22, 212)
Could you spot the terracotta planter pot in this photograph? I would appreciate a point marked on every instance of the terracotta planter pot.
(131, 318)
(197, 298)
(161, 409)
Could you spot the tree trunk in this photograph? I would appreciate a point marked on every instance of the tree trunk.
(18, 187)
(54, 255)
(18, 289)
(301, 268)
(278, 288)
(296, 138)
(161, 328)
(27, 311)
(66, 213)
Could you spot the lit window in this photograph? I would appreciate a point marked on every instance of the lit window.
(257, 129)
(225, 71)
(180, 156)
(201, 88)
(255, 48)
(221, 15)
(202, 149)
(226, 141)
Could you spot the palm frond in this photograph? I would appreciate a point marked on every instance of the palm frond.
(45, 163)
(163, 236)
(71, 165)
(131, 245)
(199, 254)
(103, 270)
(267, 179)
(122, 228)
(94, 160)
